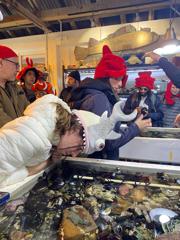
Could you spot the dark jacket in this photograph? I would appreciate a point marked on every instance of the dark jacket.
(171, 71)
(12, 102)
(96, 96)
(30, 94)
(155, 107)
(65, 94)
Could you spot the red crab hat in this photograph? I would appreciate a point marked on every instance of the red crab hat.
(144, 79)
(169, 98)
(29, 66)
(111, 65)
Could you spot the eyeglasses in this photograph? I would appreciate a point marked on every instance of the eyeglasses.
(79, 147)
(17, 64)
(143, 88)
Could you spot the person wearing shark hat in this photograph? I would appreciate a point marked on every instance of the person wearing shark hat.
(12, 97)
(49, 128)
(101, 93)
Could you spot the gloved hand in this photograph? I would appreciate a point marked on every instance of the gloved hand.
(119, 115)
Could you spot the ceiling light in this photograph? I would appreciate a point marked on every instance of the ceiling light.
(93, 23)
(1, 16)
(168, 49)
(169, 43)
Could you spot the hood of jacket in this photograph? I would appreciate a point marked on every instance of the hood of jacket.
(91, 87)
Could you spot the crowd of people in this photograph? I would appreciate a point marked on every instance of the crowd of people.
(162, 110)
(37, 128)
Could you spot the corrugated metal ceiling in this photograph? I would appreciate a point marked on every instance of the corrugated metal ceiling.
(81, 14)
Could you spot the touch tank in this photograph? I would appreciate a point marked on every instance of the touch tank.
(97, 199)
(155, 144)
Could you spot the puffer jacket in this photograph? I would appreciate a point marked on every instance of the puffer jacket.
(27, 141)
(12, 102)
(97, 97)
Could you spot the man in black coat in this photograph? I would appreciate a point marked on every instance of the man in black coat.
(73, 81)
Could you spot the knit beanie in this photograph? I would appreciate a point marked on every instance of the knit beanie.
(144, 79)
(169, 96)
(75, 75)
(6, 52)
(111, 65)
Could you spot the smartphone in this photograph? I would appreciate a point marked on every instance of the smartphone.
(4, 197)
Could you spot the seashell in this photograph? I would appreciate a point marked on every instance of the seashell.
(106, 211)
(157, 212)
(73, 202)
(60, 201)
(124, 189)
(138, 194)
(178, 181)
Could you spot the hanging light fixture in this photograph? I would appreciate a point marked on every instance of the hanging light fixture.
(1, 16)
(169, 43)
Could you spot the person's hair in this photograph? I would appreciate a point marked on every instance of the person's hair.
(67, 122)
(105, 80)
(31, 69)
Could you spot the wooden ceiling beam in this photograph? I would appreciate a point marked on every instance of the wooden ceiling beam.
(69, 14)
(20, 9)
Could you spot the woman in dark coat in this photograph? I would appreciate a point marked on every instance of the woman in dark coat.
(101, 93)
(145, 99)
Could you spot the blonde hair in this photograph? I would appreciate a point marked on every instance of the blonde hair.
(63, 122)
(66, 121)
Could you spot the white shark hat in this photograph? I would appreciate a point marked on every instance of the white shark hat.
(98, 129)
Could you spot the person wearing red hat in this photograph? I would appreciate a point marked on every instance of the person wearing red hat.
(145, 100)
(12, 98)
(28, 76)
(101, 93)
(171, 105)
